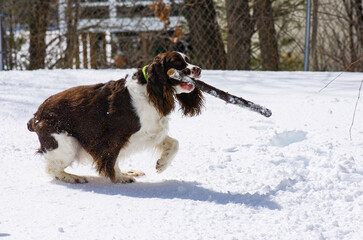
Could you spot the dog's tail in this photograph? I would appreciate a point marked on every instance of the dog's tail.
(32, 125)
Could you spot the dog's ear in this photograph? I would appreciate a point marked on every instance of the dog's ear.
(191, 103)
(160, 93)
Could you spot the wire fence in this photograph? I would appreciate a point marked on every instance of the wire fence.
(217, 34)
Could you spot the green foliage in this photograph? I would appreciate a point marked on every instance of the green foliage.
(291, 62)
(286, 41)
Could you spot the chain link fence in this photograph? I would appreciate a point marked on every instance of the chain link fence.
(217, 34)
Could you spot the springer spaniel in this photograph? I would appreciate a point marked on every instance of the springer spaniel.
(109, 121)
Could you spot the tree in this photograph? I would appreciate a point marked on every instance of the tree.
(72, 18)
(314, 35)
(358, 8)
(39, 13)
(240, 31)
(340, 42)
(267, 34)
(208, 48)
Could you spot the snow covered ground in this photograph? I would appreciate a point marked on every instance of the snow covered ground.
(238, 175)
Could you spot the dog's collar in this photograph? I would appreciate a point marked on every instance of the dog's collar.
(144, 71)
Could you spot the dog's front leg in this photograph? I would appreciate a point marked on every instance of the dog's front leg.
(168, 147)
(121, 177)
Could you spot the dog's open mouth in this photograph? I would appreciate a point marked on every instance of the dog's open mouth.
(187, 86)
(185, 82)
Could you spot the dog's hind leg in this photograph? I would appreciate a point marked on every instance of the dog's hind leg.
(63, 156)
(168, 147)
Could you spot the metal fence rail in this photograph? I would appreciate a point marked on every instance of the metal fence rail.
(217, 34)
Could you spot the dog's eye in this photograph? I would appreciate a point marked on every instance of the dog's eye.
(178, 64)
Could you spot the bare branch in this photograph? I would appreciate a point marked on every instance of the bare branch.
(355, 109)
(361, 58)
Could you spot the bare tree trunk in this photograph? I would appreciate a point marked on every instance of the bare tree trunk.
(349, 14)
(314, 36)
(267, 34)
(72, 17)
(93, 50)
(38, 24)
(358, 8)
(11, 43)
(240, 30)
(98, 50)
(76, 53)
(208, 48)
(84, 50)
(103, 54)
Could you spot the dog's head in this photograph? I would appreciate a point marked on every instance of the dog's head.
(162, 89)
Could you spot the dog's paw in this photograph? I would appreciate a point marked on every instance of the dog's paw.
(134, 173)
(161, 165)
(70, 178)
(125, 179)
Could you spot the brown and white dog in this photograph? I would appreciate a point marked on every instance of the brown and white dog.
(109, 121)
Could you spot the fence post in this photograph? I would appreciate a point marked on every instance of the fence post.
(1, 41)
(307, 36)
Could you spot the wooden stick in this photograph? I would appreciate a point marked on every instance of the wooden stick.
(215, 92)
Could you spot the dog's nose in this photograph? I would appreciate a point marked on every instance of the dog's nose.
(196, 71)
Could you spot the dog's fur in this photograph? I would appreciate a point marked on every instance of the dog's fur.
(109, 121)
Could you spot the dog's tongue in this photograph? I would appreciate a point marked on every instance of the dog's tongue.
(187, 86)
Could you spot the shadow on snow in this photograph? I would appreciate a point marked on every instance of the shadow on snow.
(173, 189)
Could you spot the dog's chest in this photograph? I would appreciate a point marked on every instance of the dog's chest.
(154, 127)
